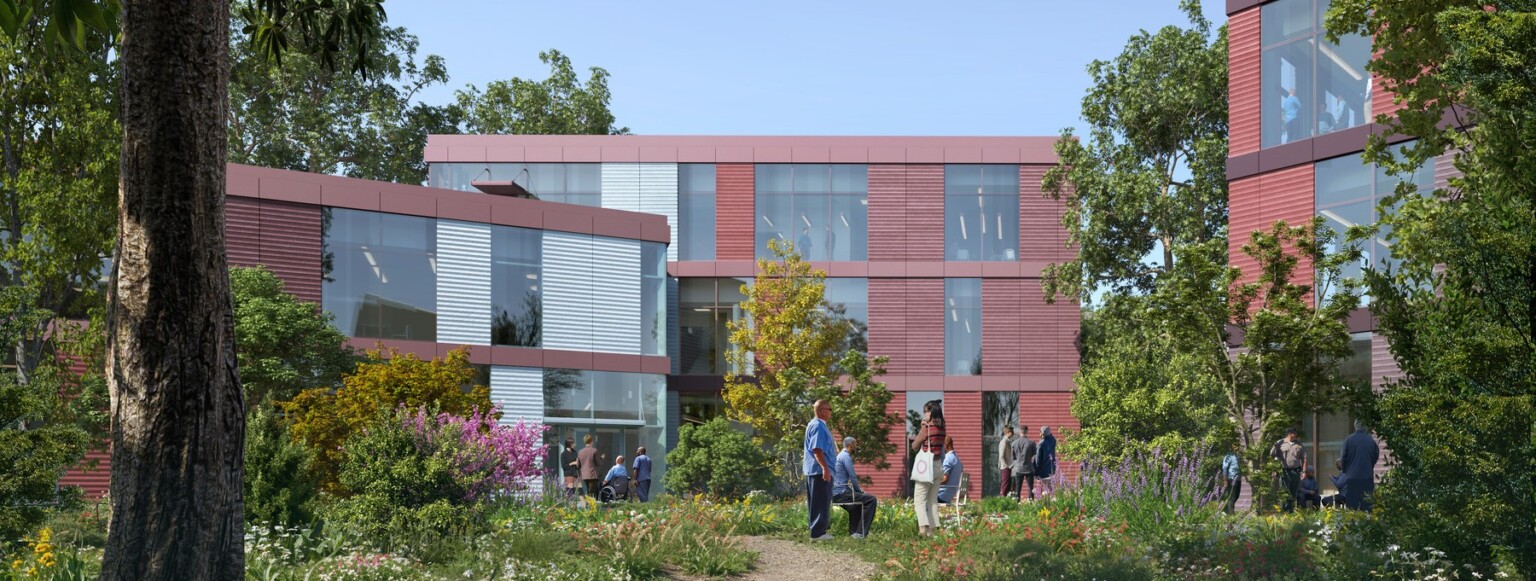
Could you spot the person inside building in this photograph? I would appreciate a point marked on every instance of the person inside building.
(949, 486)
(847, 493)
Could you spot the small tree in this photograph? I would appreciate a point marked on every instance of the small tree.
(793, 344)
(324, 419)
(280, 486)
(283, 345)
(716, 458)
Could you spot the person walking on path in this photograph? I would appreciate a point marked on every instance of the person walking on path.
(925, 495)
(1045, 461)
(1005, 460)
(1359, 466)
(1024, 464)
(1231, 480)
(817, 467)
(1293, 461)
(586, 460)
(846, 491)
(642, 475)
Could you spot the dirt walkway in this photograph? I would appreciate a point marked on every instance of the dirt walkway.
(796, 561)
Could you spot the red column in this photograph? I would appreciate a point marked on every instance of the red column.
(925, 212)
(734, 208)
(1244, 108)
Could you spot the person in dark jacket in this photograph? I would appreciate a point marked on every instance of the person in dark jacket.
(1359, 466)
(1024, 451)
(1310, 496)
(1045, 461)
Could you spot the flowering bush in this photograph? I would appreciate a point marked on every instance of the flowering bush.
(489, 457)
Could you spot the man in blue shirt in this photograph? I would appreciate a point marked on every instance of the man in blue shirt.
(817, 467)
(614, 476)
(1290, 108)
(642, 475)
(847, 493)
(952, 471)
(1232, 484)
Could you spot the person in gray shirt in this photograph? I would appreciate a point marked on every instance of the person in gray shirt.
(1024, 464)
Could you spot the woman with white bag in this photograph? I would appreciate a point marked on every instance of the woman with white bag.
(925, 487)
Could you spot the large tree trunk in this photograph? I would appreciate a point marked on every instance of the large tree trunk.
(178, 419)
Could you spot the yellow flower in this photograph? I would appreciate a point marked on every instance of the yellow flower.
(1045, 513)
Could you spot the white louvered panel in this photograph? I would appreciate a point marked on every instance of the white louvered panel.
(463, 282)
(658, 195)
(520, 393)
(568, 291)
(621, 186)
(615, 295)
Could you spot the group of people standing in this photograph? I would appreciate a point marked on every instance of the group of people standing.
(582, 471)
(829, 481)
(1298, 481)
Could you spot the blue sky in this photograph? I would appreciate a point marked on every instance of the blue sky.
(893, 67)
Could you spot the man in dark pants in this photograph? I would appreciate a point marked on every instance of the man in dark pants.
(1231, 480)
(1359, 466)
(817, 467)
(642, 475)
(1024, 464)
(586, 460)
(846, 491)
(1293, 461)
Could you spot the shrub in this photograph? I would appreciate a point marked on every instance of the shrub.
(284, 345)
(324, 419)
(718, 459)
(35, 449)
(489, 458)
(280, 486)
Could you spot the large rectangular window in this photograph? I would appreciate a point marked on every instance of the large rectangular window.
(823, 209)
(1310, 86)
(981, 212)
(1348, 193)
(705, 307)
(962, 326)
(653, 298)
(380, 274)
(516, 302)
(696, 211)
(569, 183)
(999, 409)
(604, 396)
(849, 301)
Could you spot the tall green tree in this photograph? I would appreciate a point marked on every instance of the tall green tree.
(178, 416)
(559, 105)
(1459, 309)
(794, 345)
(285, 346)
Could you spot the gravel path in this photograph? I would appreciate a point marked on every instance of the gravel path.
(797, 561)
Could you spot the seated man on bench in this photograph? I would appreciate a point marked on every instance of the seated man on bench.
(847, 494)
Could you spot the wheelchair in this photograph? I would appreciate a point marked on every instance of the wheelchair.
(615, 490)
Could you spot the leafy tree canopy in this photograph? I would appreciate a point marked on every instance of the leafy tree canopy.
(283, 345)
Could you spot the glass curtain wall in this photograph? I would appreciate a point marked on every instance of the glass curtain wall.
(380, 274)
(999, 409)
(705, 306)
(823, 209)
(516, 302)
(653, 298)
(962, 326)
(915, 402)
(569, 183)
(622, 411)
(696, 211)
(1310, 86)
(1349, 193)
(981, 212)
(1325, 433)
(849, 301)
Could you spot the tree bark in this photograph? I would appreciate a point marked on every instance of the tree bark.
(178, 426)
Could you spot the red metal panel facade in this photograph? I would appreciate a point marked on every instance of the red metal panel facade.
(1002, 331)
(1245, 215)
(1069, 322)
(93, 475)
(891, 482)
(290, 246)
(734, 209)
(1445, 169)
(962, 421)
(887, 212)
(1052, 409)
(1041, 235)
(1037, 321)
(242, 230)
(1288, 195)
(925, 212)
(888, 322)
(925, 326)
(1382, 99)
(1243, 82)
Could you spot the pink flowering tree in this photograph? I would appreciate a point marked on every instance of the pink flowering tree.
(488, 457)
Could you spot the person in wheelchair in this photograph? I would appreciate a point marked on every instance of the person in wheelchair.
(616, 483)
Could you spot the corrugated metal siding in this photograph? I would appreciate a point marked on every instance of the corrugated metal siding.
(887, 212)
(674, 419)
(1041, 235)
(94, 481)
(1288, 195)
(463, 282)
(925, 326)
(1245, 214)
(1383, 369)
(1002, 335)
(658, 195)
(1382, 99)
(1037, 345)
(1069, 322)
(520, 393)
(1243, 82)
(242, 231)
(888, 322)
(291, 246)
(734, 208)
(1445, 169)
(1052, 409)
(615, 317)
(925, 213)
(568, 291)
(962, 421)
(621, 186)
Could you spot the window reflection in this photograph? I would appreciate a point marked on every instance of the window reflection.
(962, 326)
(823, 209)
(696, 211)
(380, 274)
(848, 299)
(981, 212)
(705, 307)
(1349, 193)
(653, 298)
(605, 395)
(1309, 85)
(516, 271)
(569, 183)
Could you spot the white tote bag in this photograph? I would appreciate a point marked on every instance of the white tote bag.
(922, 467)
